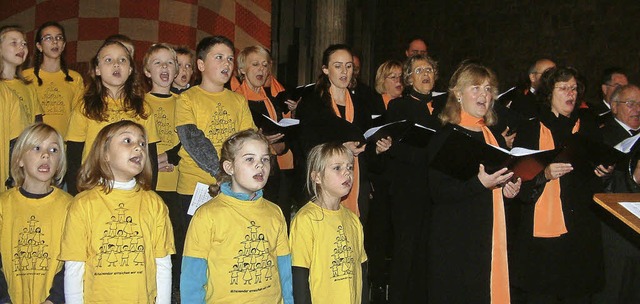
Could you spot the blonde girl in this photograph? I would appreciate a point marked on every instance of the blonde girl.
(30, 219)
(327, 240)
(14, 51)
(236, 250)
(118, 238)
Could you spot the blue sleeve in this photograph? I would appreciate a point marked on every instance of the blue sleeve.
(284, 270)
(193, 280)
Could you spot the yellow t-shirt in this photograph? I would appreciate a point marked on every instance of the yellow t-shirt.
(164, 110)
(57, 96)
(330, 243)
(28, 98)
(83, 129)
(31, 230)
(13, 121)
(218, 115)
(118, 236)
(241, 241)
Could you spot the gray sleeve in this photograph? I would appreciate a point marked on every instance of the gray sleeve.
(199, 148)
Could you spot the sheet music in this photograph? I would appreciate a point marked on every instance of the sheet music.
(372, 131)
(200, 196)
(626, 145)
(633, 207)
(285, 122)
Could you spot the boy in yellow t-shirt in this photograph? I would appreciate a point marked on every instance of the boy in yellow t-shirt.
(206, 115)
(160, 68)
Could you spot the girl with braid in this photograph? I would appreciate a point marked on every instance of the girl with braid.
(58, 88)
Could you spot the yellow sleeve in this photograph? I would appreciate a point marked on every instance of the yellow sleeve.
(282, 244)
(35, 103)
(75, 238)
(184, 110)
(78, 124)
(150, 126)
(163, 238)
(301, 241)
(78, 92)
(200, 234)
(246, 120)
(18, 119)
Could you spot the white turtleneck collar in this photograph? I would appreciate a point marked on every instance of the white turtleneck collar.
(125, 185)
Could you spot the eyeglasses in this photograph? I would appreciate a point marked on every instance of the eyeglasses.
(50, 39)
(630, 103)
(566, 89)
(424, 69)
(615, 85)
(394, 77)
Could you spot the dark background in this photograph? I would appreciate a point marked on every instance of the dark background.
(507, 36)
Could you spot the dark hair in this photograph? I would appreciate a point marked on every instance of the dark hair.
(38, 55)
(558, 74)
(608, 73)
(184, 50)
(208, 42)
(95, 106)
(323, 84)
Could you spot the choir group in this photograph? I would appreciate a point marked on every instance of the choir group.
(101, 177)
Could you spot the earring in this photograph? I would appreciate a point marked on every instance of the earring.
(460, 99)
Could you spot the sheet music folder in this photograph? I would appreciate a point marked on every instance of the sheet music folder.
(401, 131)
(460, 156)
(269, 126)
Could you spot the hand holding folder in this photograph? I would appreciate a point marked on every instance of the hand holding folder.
(269, 127)
(401, 131)
(460, 156)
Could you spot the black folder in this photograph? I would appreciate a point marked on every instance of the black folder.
(461, 155)
(270, 127)
(580, 150)
(401, 131)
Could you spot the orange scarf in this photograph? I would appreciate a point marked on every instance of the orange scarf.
(276, 87)
(429, 104)
(285, 161)
(385, 99)
(548, 218)
(351, 200)
(499, 264)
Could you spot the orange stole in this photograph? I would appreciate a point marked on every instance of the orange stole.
(499, 264)
(285, 161)
(548, 218)
(351, 200)
(385, 99)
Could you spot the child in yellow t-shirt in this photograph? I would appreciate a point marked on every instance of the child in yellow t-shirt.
(236, 250)
(58, 89)
(31, 222)
(12, 122)
(14, 52)
(113, 94)
(160, 68)
(327, 241)
(118, 239)
(184, 78)
(206, 115)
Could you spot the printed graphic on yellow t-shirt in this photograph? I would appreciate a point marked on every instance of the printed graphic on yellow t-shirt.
(31, 256)
(253, 262)
(343, 264)
(122, 243)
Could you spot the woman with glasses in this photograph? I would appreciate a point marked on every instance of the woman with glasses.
(59, 89)
(388, 84)
(407, 172)
(467, 252)
(557, 251)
